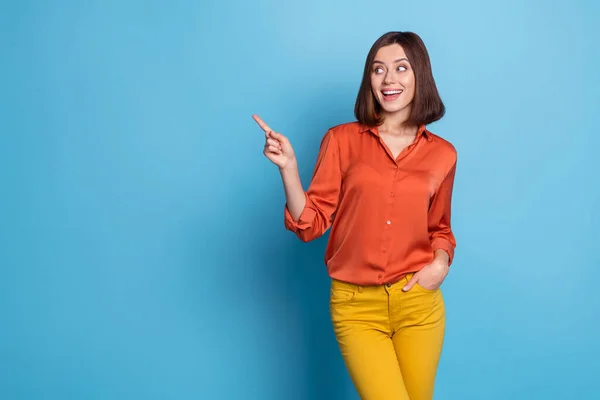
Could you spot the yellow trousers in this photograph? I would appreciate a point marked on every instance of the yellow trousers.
(390, 340)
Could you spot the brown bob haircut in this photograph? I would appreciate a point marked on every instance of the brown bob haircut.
(427, 106)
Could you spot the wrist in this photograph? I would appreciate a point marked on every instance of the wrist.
(290, 166)
(442, 257)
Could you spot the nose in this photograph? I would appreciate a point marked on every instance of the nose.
(389, 77)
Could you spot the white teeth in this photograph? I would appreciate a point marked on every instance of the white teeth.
(388, 92)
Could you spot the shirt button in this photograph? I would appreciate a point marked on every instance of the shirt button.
(392, 194)
(389, 222)
(379, 276)
(385, 250)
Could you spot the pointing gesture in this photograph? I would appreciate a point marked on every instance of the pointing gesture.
(277, 147)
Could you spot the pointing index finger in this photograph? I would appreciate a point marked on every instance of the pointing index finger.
(261, 123)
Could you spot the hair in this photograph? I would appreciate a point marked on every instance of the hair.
(427, 106)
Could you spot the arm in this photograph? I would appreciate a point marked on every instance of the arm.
(294, 193)
(309, 214)
(440, 232)
(440, 236)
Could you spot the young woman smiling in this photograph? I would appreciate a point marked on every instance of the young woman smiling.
(383, 184)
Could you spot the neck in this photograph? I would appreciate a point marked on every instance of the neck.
(396, 123)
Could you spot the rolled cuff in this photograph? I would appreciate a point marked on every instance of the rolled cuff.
(305, 221)
(443, 244)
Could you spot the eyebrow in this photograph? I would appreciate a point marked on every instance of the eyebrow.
(397, 61)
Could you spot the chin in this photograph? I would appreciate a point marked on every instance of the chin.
(389, 109)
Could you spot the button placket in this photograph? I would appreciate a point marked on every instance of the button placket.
(388, 220)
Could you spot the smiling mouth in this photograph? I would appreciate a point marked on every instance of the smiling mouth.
(391, 94)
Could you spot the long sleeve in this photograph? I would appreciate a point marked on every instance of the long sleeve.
(322, 195)
(440, 231)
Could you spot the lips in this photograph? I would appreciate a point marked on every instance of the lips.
(391, 94)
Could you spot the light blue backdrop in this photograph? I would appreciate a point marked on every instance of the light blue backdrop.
(142, 247)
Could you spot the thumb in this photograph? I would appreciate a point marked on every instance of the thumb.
(277, 136)
(411, 282)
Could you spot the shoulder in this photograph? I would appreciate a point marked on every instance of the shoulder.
(338, 135)
(345, 133)
(346, 128)
(443, 146)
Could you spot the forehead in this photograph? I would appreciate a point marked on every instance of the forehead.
(390, 53)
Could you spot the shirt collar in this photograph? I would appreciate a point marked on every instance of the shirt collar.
(375, 130)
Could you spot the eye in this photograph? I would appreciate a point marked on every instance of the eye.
(402, 68)
(378, 70)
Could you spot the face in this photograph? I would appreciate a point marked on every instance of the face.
(393, 80)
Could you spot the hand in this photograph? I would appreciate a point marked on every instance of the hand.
(277, 147)
(430, 277)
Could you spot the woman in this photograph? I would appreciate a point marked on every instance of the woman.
(384, 186)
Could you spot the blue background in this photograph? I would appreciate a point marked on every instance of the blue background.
(142, 247)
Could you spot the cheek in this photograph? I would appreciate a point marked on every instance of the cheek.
(408, 81)
(411, 92)
(374, 82)
(409, 84)
(374, 88)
